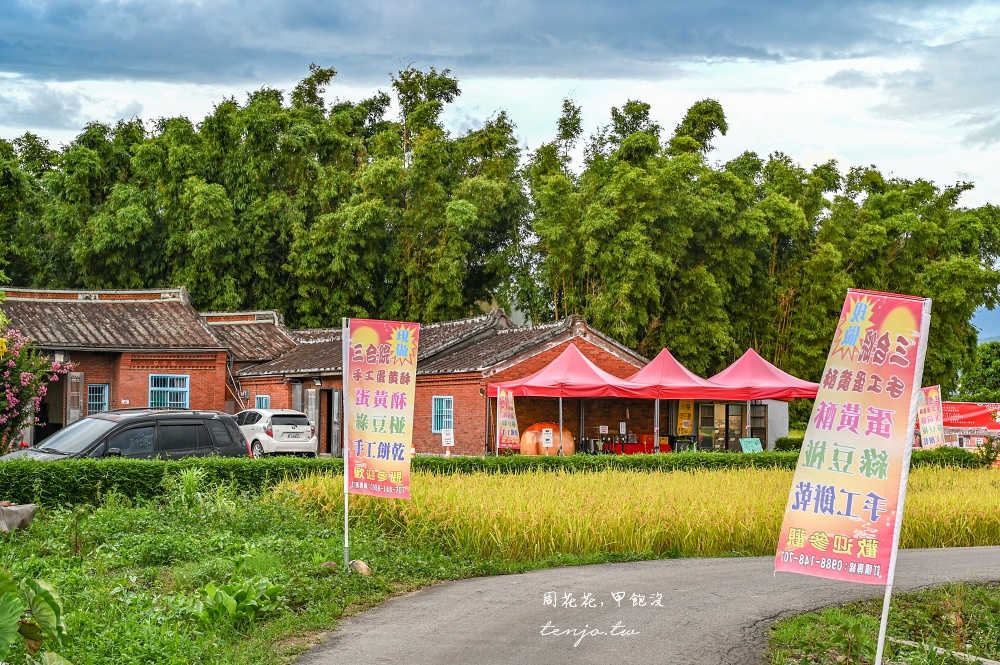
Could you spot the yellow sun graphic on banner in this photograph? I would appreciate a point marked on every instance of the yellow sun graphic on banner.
(851, 331)
(403, 345)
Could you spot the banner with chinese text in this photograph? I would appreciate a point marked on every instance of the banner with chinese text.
(508, 435)
(845, 505)
(685, 417)
(380, 372)
(931, 418)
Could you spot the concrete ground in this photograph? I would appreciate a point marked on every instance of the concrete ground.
(678, 611)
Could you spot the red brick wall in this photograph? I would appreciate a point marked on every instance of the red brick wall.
(610, 411)
(97, 368)
(469, 413)
(206, 373)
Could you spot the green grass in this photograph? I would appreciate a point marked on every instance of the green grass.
(127, 569)
(958, 617)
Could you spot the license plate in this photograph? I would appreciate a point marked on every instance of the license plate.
(293, 435)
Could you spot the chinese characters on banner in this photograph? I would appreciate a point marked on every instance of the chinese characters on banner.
(844, 508)
(380, 361)
(507, 432)
(931, 418)
(685, 417)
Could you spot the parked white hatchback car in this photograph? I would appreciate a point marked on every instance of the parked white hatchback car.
(272, 431)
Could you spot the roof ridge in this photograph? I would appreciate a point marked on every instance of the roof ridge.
(24, 293)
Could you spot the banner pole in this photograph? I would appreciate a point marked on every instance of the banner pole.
(904, 476)
(560, 426)
(497, 429)
(345, 342)
(656, 424)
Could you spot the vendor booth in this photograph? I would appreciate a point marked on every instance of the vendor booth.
(624, 413)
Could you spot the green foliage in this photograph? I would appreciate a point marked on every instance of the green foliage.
(954, 617)
(980, 382)
(238, 603)
(92, 481)
(787, 444)
(33, 610)
(267, 202)
(28, 373)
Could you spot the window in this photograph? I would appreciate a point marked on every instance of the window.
(97, 398)
(134, 441)
(262, 402)
(220, 435)
(442, 414)
(168, 391)
(182, 436)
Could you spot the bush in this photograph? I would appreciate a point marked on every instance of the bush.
(787, 444)
(81, 481)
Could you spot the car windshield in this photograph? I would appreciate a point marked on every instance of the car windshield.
(289, 420)
(77, 437)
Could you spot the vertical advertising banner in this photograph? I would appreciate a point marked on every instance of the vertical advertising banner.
(380, 375)
(931, 417)
(685, 417)
(844, 509)
(507, 433)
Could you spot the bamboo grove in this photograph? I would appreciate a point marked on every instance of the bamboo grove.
(373, 208)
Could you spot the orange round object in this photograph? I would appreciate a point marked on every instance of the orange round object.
(531, 440)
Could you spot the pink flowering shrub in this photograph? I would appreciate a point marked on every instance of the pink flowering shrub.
(25, 376)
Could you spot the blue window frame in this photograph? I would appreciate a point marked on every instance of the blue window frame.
(169, 391)
(97, 397)
(442, 414)
(262, 402)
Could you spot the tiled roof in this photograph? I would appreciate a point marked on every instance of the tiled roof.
(503, 345)
(108, 320)
(251, 336)
(316, 334)
(320, 350)
(307, 358)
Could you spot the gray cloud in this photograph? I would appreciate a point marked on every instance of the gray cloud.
(959, 79)
(230, 40)
(36, 105)
(850, 79)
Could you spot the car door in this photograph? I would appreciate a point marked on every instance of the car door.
(135, 441)
(182, 438)
(223, 439)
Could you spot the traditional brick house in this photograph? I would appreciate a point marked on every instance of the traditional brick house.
(457, 360)
(252, 338)
(152, 349)
(128, 349)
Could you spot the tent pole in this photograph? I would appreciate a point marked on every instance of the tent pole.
(560, 426)
(656, 425)
(583, 429)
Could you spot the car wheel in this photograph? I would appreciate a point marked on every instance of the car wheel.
(257, 449)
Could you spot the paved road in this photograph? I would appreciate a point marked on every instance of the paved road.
(714, 612)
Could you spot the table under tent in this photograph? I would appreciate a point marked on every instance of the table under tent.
(737, 391)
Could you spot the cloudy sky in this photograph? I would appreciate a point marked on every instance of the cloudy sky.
(912, 86)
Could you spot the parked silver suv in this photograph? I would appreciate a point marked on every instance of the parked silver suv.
(272, 431)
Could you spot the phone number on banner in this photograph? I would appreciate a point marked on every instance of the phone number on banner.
(831, 563)
(385, 489)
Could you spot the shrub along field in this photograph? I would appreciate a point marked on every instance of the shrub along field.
(86, 480)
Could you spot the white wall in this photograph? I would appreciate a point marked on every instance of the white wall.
(777, 421)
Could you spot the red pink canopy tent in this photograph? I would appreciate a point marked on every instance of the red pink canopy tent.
(665, 378)
(755, 378)
(571, 375)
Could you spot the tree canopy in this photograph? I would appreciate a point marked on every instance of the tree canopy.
(329, 210)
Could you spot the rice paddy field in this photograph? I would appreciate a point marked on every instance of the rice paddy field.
(536, 515)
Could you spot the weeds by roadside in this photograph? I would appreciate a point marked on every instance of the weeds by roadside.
(961, 618)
